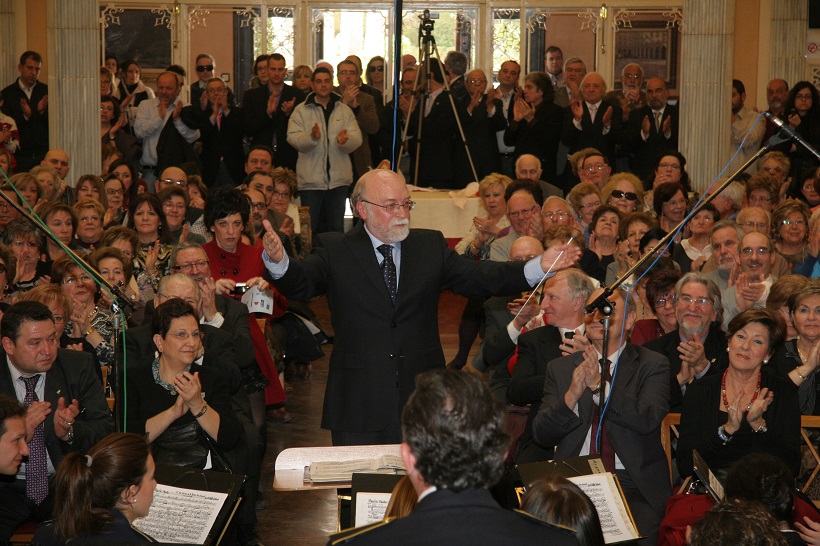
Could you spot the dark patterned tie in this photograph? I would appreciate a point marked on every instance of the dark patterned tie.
(36, 467)
(388, 268)
(607, 451)
(658, 115)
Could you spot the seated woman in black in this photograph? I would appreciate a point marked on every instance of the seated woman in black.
(184, 408)
(725, 416)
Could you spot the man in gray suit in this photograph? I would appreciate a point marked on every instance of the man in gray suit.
(637, 401)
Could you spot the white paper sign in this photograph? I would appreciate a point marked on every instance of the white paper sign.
(258, 301)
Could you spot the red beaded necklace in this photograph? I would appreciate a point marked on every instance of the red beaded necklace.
(726, 398)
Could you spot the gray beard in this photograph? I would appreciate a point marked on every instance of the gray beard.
(692, 331)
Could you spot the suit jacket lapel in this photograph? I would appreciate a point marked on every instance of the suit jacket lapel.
(626, 365)
(362, 251)
(6, 386)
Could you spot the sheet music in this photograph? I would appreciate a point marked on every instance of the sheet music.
(181, 515)
(603, 493)
(370, 507)
(343, 470)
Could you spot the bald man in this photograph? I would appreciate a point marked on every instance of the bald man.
(651, 129)
(383, 282)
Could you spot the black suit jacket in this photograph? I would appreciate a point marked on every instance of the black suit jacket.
(497, 347)
(438, 139)
(536, 349)
(591, 134)
(380, 347)
(638, 402)
(539, 137)
(447, 517)
(262, 128)
(33, 131)
(71, 376)
(714, 347)
(222, 144)
(642, 154)
(480, 131)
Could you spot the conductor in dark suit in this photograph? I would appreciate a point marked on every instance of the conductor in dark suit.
(638, 400)
(592, 122)
(67, 410)
(453, 449)
(652, 129)
(382, 281)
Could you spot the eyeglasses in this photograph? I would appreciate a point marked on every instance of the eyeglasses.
(205, 68)
(182, 335)
(803, 97)
(282, 195)
(113, 192)
(593, 206)
(773, 169)
(758, 225)
(217, 90)
(526, 212)
(104, 108)
(394, 208)
(72, 280)
(673, 166)
(793, 222)
(628, 195)
(21, 244)
(675, 203)
(699, 302)
(661, 302)
(762, 251)
(593, 168)
(200, 264)
(170, 181)
(632, 76)
(759, 199)
(347, 73)
(173, 206)
(478, 80)
(558, 215)
(259, 206)
(376, 68)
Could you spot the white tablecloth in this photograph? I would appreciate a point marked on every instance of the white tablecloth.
(437, 210)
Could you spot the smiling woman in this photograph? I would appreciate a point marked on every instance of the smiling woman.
(725, 416)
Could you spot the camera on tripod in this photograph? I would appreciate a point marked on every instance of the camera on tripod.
(427, 21)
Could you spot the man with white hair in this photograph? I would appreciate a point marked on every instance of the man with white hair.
(383, 282)
(591, 122)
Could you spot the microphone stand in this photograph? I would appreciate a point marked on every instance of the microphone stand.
(118, 297)
(606, 307)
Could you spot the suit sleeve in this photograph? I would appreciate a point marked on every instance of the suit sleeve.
(95, 422)
(644, 411)
(554, 420)
(527, 384)
(367, 117)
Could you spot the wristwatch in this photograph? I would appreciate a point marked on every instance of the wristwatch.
(597, 390)
(70, 436)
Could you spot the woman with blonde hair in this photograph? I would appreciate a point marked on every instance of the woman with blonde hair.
(624, 191)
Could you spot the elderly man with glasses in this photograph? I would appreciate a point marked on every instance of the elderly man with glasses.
(756, 257)
(698, 347)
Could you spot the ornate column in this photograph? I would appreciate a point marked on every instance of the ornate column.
(706, 87)
(788, 40)
(9, 58)
(73, 81)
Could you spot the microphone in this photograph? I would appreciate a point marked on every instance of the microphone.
(790, 133)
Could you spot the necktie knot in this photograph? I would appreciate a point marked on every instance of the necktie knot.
(31, 386)
(386, 251)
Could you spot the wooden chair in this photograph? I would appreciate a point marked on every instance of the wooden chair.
(670, 424)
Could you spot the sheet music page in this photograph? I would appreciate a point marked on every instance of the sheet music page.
(370, 507)
(603, 493)
(181, 515)
(343, 470)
